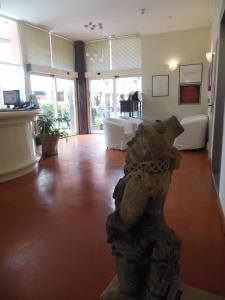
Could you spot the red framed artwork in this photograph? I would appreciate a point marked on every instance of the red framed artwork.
(190, 94)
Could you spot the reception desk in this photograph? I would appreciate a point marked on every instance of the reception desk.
(17, 146)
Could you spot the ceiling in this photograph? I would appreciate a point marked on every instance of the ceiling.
(119, 17)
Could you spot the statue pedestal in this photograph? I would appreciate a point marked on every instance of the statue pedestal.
(112, 292)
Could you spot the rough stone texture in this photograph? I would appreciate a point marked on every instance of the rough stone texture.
(177, 292)
(146, 249)
(112, 292)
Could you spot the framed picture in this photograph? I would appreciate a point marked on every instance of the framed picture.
(160, 85)
(191, 73)
(190, 94)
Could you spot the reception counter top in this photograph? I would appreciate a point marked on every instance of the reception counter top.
(17, 146)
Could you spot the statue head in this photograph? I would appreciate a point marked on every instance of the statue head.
(154, 141)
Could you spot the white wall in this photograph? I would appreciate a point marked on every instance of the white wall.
(187, 47)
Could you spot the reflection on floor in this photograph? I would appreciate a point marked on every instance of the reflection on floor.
(53, 243)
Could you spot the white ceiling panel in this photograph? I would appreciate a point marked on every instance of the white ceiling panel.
(119, 17)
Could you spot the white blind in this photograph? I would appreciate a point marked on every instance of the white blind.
(126, 53)
(97, 56)
(62, 53)
(35, 44)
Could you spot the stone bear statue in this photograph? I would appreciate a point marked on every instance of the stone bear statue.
(146, 249)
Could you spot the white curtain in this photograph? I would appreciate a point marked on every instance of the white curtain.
(126, 53)
(97, 56)
(62, 53)
(35, 44)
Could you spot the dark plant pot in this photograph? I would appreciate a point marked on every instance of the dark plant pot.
(49, 145)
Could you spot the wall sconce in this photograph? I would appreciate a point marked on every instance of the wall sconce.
(173, 65)
(209, 56)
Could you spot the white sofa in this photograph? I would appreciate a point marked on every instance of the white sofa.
(134, 121)
(118, 132)
(195, 132)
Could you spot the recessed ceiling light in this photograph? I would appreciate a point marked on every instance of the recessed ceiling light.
(143, 10)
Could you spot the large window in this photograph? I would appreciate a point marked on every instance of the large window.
(105, 96)
(11, 78)
(116, 57)
(101, 100)
(65, 103)
(56, 98)
(9, 42)
(11, 69)
(43, 88)
(125, 85)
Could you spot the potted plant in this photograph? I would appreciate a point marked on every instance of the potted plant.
(50, 133)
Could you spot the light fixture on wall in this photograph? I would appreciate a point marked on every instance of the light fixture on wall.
(209, 56)
(173, 65)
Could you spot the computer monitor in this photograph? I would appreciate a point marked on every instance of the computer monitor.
(11, 98)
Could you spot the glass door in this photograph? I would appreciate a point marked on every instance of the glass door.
(43, 88)
(101, 102)
(56, 99)
(105, 97)
(125, 85)
(66, 104)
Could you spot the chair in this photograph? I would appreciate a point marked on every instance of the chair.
(129, 126)
(134, 121)
(194, 135)
(117, 133)
(132, 104)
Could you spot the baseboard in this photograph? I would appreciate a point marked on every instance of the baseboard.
(222, 216)
(221, 213)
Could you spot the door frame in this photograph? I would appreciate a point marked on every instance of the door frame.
(54, 77)
(102, 77)
(89, 100)
(217, 138)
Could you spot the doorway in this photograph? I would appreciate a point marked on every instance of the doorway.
(56, 97)
(105, 95)
(101, 102)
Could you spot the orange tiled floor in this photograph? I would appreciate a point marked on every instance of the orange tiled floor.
(52, 224)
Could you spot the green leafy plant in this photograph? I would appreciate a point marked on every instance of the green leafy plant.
(49, 126)
(63, 111)
(47, 109)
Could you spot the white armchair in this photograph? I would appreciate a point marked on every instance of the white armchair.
(117, 133)
(194, 135)
(134, 121)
